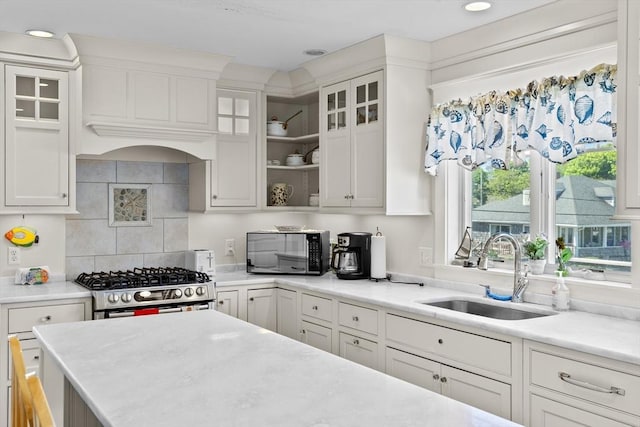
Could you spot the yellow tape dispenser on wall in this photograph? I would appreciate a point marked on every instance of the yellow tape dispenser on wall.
(22, 236)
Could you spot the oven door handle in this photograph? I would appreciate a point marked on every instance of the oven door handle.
(116, 314)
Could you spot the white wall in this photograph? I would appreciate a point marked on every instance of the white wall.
(404, 233)
(50, 251)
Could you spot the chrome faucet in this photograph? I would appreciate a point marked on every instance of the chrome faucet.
(520, 280)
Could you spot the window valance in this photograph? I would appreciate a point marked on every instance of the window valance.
(558, 116)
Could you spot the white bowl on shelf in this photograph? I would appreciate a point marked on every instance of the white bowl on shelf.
(295, 160)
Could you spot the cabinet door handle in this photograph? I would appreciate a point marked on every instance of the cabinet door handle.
(355, 318)
(436, 377)
(45, 319)
(567, 378)
(64, 195)
(36, 357)
(315, 307)
(356, 342)
(220, 302)
(346, 196)
(251, 299)
(214, 197)
(440, 340)
(302, 331)
(443, 379)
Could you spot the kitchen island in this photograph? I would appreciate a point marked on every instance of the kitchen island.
(205, 368)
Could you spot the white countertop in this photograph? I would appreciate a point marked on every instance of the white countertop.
(206, 368)
(10, 293)
(606, 336)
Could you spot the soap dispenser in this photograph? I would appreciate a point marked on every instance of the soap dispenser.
(560, 293)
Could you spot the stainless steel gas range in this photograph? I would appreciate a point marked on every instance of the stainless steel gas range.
(144, 291)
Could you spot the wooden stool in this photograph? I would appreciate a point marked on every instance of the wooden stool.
(40, 405)
(21, 407)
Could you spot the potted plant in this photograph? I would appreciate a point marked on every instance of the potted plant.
(535, 250)
(563, 254)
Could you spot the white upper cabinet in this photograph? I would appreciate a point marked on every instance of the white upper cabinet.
(36, 137)
(138, 94)
(229, 180)
(352, 136)
(375, 101)
(628, 204)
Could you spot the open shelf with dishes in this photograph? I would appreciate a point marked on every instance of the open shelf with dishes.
(292, 159)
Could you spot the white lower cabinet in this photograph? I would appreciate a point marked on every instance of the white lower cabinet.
(261, 308)
(551, 413)
(316, 336)
(475, 390)
(227, 302)
(287, 313)
(569, 388)
(359, 350)
(19, 319)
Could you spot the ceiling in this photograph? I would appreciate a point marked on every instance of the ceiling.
(267, 33)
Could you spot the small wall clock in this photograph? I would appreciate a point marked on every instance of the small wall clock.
(129, 205)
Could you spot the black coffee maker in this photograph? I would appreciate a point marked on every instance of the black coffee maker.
(351, 257)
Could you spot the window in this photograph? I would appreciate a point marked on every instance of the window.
(581, 205)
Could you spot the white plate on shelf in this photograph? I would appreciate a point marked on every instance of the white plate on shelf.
(289, 228)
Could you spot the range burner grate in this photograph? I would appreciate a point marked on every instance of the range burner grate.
(141, 278)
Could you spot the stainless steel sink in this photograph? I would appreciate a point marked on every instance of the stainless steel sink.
(488, 310)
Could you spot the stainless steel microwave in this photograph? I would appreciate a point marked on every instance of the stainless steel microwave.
(274, 252)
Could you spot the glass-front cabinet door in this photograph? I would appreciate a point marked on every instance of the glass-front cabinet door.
(36, 137)
(233, 171)
(336, 102)
(352, 166)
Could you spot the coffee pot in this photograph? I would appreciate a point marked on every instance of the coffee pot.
(280, 194)
(351, 257)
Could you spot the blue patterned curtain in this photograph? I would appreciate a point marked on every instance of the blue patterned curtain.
(558, 117)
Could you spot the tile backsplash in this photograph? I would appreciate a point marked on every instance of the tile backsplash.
(93, 245)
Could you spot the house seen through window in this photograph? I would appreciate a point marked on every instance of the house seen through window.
(582, 211)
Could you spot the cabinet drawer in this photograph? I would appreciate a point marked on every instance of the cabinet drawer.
(359, 350)
(360, 318)
(474, 350)
(24, 319)
(317, 307)
(586, 381)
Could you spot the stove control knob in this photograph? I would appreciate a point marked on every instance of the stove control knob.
(177, 293)
(113, 298)
(188, 292)
(200, 291)
(126, 297)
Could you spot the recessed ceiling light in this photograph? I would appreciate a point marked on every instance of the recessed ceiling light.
(477, 6)
(315, 52)
(39, 33)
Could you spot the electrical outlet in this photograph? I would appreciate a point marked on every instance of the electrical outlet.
(425, 256)
(13, 255)
(230, 247)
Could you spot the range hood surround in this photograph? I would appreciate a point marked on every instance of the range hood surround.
(137, 94)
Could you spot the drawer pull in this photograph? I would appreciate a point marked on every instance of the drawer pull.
(567, 378)
(436, 377)
(315, 307)
(440, 341)
(355, 318)
(443, 379)
(36, 357)
(45, 319)
(356, 342)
